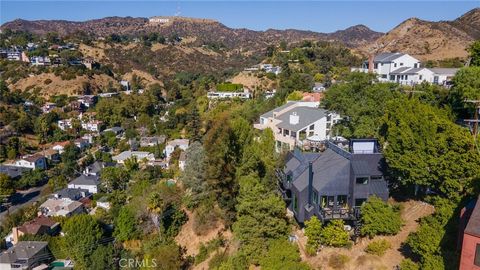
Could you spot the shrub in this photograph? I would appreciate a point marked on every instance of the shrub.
(229, 87)
(379, 218)
(408, 264)
(47, 81)
(378, 247)
(338, 261)
(334, 234)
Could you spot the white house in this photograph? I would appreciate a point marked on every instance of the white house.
(88, 182)
(35, 161)
(92, 125)
(405, 69)
(139, 155)
(64, 124)
(61, 207)
(40, 61)
(60, 146)
(219, 95)
(295, 122)
(171, 145)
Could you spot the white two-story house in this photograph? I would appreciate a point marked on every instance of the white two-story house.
(404, 69)
(295, 122)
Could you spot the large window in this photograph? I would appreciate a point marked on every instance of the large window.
(315, 197)
(342, 201)
(327, 201)
(376, 177)
(289, 178)
(361, 180)
(294, 202)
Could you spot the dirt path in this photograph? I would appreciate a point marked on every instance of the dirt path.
(191, 241)
(358, 259)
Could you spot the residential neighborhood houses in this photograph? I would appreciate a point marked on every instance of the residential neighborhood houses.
(405, 69)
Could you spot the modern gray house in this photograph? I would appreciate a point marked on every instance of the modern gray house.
(333, 183)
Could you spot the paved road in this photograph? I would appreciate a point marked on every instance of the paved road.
(21, 199)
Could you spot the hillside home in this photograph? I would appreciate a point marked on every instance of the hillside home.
(96, 168)
(88, 182)
(25, 255)
(40, 61)
(81, 143)
(228, 95)
(171, 145)
(61, 207)
(35, 161)
(51, 154)
(87, 100)
(41, 225)
(60, 146)
(295, 122)
(139, 155)
(73, 194)
(332, 184)
(405, 69)
(64, 124)
(13, 172)
(152, 141)
(469, 236)
(92, 125)
(115, 130)
(48, 107)
(318, 87)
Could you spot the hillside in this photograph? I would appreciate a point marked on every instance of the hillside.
(203, 30)
(431, 40)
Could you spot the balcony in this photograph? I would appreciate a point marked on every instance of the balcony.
(339, 213)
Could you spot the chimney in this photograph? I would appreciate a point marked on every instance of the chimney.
(310, 183)
(370, 63)
(294, 118)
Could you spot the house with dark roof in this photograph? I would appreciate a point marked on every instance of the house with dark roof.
(73, 194)
(469, 236)
(296, 122)
(333, 183)
(96, 168)
(25, 255)
(13, 172)
(85, 182)
(39, 226)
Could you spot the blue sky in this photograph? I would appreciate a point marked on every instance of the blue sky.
(321, 16)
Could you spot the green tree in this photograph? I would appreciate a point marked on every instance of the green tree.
(6, 185)
(102, 258)
(474, 51)
(379, 218)
(466, 86)
(407, 264)
(82, 236)
(313, 232)
(193, 177)
(114, 178)
(295, 96)
(260, 217)
(125, 225)
(425, 147)
(282, 255)
(334, 234)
